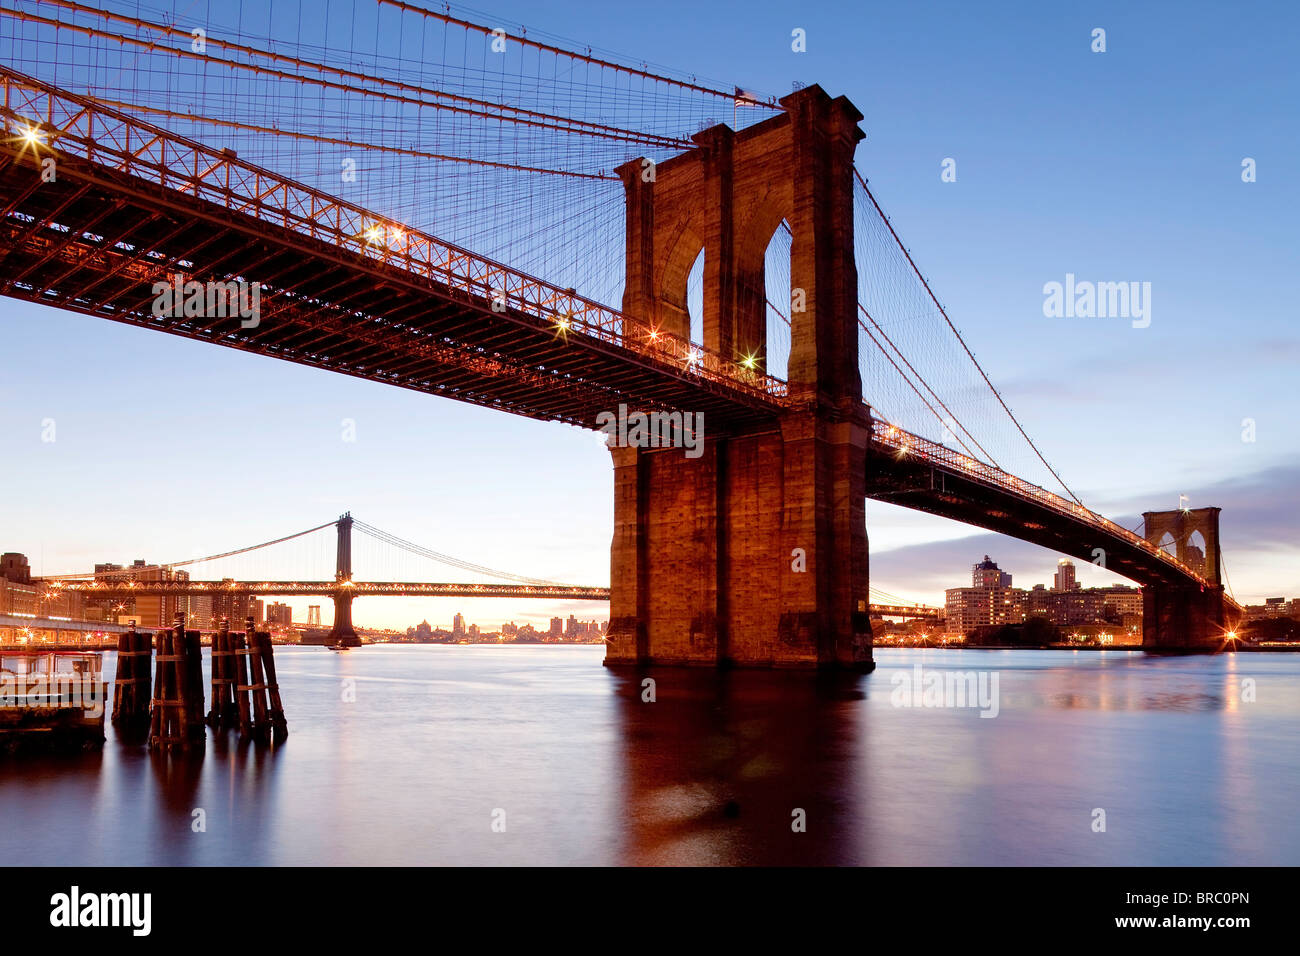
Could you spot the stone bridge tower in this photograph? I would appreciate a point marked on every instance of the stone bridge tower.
(1184, 618)
(754, 553)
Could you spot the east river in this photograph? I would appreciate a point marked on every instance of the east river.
(539, 755)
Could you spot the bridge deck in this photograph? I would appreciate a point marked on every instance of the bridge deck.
(909, 471)
(344, 290)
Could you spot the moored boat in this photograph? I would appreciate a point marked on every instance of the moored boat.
(51, 700)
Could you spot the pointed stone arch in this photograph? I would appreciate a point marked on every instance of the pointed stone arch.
(731, 193)
(669, 311)
(1181, 525)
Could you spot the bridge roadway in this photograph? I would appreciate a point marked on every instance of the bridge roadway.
(384, 589)
(349, 292)
(910, 471)
(330, 588)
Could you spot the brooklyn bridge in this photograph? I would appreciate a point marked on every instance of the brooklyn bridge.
(759, 284)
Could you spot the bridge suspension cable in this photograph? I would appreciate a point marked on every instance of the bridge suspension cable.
(862, 184)
(951, 416)
(127, 572)
(432, 124)
(413, 548)
(339, 141)
(880, 596)
(441, 99)
(735, 95)
(911, 379)
(1227, 583)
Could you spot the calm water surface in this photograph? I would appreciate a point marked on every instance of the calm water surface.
(438, 738)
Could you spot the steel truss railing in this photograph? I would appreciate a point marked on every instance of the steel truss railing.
(905, 610)
(45, 117)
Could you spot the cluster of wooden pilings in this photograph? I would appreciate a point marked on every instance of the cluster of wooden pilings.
(132, 686)
(245, 692)
(176, 714)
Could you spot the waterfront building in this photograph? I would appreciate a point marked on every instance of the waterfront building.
(991, 600)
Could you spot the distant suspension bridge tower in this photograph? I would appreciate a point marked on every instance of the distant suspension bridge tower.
(343, 633)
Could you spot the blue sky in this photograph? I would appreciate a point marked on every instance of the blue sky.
(1115, 166)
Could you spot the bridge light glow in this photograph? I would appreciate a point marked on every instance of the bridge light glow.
(693, 357)
(32, 136)
(374, 234)
(749, 361)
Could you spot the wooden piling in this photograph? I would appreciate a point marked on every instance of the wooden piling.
(131, 684)
(229, 704)
(194, 684)
(176, 721)
(122, 679)
(143, 674)
(162, 708)
(257, 686)
(217, 690)
(279, 726)
(239, 659)
(225, 712)
(155, 711)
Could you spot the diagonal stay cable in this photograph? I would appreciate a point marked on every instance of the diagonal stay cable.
(951, 414)
(888, 225)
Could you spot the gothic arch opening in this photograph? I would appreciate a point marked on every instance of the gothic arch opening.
(684, 261)
(1168, 545)
(777, 284)
(1196, 552)
(695, 299)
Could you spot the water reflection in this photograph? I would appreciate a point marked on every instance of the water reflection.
(407, 755)
(739, 767)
